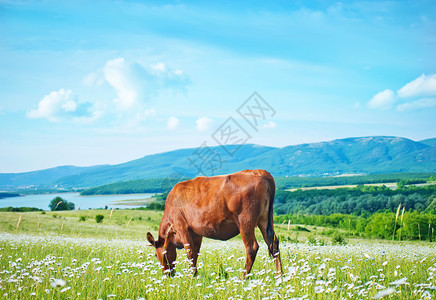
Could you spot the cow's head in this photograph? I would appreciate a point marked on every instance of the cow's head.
(165, 250)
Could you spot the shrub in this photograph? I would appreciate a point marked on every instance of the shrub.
(60, 204)
(299, 228)
(313, 240)
(328, 232)
(99, 218)
(156, 205)
(82, 218)
(338, 239)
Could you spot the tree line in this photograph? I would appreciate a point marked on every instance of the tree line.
(363, 200)
(385, 225)
(158, 185)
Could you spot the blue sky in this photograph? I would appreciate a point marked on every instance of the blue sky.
(96, 82)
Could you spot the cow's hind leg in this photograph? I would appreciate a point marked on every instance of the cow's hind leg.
(251, 246)
(272, 242)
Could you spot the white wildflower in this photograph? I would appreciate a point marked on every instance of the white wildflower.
(332, 272)
(65, 289)
(261, 272)
(292, 271)
(399, 281)
(321, 267)
(384, 293)
(58, 283)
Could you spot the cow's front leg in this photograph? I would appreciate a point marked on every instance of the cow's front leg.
(192, 248)
(192, 257)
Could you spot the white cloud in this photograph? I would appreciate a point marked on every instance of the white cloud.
(121, 78)
(204, 123)
(136, 84)
(60, 105)
(158, 67)
(424, 85)
(418, 104)
(270, 125)
(382, 100)
(173, 123)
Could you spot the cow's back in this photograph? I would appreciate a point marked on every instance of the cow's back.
(205, 191)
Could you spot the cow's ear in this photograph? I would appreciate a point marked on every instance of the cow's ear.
(150, 238)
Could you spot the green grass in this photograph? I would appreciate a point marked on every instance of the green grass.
(128, 224)
(112, 261)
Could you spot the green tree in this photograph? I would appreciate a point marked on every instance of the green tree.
(401, 184)
(60, 204)
(416, 225)
(381, 225)
(431, 208)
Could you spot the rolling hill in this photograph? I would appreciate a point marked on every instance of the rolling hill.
(429, 142)
(361, 155)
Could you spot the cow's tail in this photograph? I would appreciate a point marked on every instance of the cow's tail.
(272, 239)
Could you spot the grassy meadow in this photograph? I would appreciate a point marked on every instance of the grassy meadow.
(124, 224)
(59, 255)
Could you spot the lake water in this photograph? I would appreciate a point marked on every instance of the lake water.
(85, 202)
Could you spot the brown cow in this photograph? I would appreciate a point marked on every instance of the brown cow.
(218, 207)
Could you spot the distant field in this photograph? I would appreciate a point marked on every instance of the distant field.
(391, 185)
(135, 202)
(63, 258)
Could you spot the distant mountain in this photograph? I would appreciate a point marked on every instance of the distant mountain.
(361, 155)
(429, 142)
(40, 178)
